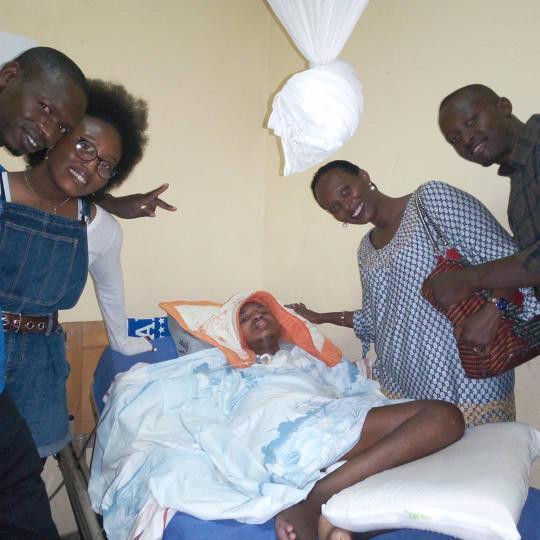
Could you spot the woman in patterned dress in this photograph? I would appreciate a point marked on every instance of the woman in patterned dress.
(416, 350)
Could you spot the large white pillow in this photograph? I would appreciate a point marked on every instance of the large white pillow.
(475, 489)
(184, 342)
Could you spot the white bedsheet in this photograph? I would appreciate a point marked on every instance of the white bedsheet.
(195, 435)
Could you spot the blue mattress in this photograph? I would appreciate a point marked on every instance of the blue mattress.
(186, 527)
(111, 363)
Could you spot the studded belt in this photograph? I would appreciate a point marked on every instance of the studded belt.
(16, 322)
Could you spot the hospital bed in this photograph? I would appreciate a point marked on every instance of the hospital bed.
(87, 351)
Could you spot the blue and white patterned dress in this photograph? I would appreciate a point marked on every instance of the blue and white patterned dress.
(417, 356)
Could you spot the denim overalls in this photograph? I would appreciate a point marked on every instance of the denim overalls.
(43, 268)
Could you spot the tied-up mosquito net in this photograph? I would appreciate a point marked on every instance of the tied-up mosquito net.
(318, 109)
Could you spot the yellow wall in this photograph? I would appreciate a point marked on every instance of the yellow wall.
(408, 55)
(202, 66)
(209, 69)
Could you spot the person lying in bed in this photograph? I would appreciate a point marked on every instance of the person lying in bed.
(390, 435)
(245, 432)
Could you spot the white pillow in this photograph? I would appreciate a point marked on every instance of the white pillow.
(474, 489)
(184, 342)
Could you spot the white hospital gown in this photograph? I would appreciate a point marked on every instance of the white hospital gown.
(417, 356)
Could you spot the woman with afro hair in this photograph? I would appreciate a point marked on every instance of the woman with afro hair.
(51, 235)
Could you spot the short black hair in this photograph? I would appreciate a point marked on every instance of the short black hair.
(46, 61)
(340, 164)
(112, 103)
(474, 90)
(128, 115)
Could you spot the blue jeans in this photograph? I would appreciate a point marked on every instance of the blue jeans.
(35, 373)
(43, 268)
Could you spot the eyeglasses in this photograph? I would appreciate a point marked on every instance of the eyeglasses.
(87, 152)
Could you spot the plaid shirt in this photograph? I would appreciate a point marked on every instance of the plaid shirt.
(524, 202)
(2, 359)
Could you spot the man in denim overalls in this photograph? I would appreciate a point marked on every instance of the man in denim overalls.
(40, 99)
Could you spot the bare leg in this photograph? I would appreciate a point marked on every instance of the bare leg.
(391, 436)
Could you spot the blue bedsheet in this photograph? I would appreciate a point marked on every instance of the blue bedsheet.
(184, 527)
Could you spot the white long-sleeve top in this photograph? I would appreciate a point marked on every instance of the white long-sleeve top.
(104, 247)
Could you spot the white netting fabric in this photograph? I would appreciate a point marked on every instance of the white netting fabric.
(318, 109)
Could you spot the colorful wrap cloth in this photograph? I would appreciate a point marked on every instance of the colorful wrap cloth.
(218, 324)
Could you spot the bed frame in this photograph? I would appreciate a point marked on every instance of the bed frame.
(85, 342)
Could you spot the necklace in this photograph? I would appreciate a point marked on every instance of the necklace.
(50, 206)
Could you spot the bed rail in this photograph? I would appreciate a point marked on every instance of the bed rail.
(76, 474)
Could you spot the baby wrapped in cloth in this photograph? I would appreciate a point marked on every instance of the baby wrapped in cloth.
(199, 435)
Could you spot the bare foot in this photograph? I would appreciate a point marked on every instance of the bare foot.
(299, 522)
(328, 532)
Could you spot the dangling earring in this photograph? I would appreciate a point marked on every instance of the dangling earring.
(372, 186)
(344, 224)
(47, 153)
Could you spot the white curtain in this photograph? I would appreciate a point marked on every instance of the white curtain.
(318, 109)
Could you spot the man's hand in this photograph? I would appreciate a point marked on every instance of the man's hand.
(449, 288)
(136, 205)
(479, 329)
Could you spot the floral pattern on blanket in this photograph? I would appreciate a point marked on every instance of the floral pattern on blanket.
(198, 436)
